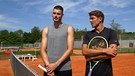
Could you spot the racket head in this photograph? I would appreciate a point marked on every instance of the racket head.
(98, 42)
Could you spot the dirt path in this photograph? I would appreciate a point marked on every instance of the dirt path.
(123, 65)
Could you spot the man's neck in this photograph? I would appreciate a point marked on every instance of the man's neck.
(99, 28)
(58, 24)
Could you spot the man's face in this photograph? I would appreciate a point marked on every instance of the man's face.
(95, 21)
(57, 15)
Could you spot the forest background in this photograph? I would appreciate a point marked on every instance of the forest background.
(20, 37)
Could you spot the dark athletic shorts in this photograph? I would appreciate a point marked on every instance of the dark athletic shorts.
(61, 73)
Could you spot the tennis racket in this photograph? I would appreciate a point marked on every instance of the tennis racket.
(97, 42)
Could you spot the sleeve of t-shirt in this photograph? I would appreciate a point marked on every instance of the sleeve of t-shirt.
(85, 39)
(113, 38)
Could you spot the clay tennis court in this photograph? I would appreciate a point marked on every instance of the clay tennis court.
(123, 65)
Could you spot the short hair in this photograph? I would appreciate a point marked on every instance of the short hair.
(59, 7)
(97, 13)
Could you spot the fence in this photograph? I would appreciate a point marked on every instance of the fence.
(125, 42)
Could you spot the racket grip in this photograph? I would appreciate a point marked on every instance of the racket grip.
(43, 68)
(89, 74)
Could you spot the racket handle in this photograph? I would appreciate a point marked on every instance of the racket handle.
(89, 74)
(43, 68)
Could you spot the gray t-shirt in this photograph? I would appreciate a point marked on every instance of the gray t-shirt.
(57, 45)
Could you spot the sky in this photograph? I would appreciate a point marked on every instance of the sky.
(25, 14)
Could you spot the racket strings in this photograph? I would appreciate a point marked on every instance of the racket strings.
(99, 44)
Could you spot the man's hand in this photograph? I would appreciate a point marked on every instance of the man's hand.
(51, 74)
(87, 58)
(112, 51)
(51, 67)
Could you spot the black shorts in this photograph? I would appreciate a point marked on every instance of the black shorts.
(61, 73)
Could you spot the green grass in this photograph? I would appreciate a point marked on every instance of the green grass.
(126, 50)
(24, 52)
(28, 52)
(33, 52)
(2, 53)
(77, 48)
(38, 52)
(120, 50)
(76, 54)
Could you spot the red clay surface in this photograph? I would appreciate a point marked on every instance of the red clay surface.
(123, 65)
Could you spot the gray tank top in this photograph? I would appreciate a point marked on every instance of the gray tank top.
(57, 45)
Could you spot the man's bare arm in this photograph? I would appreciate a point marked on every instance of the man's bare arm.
(90, 52)
(107, 53)
(43, 48)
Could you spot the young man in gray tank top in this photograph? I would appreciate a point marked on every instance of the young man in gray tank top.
(57, 45)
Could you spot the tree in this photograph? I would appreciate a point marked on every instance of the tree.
(35, 34)
(116, 27)
(14, 38)
(79, 33)
(26, 37)
(19, 32)
(4, 36)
